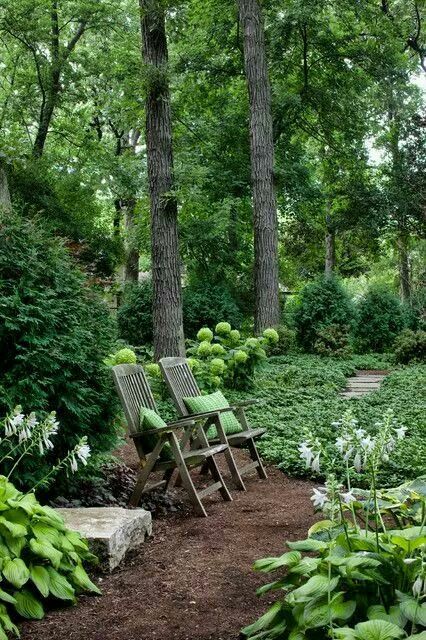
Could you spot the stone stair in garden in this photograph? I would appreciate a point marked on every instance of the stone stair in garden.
(362, 383)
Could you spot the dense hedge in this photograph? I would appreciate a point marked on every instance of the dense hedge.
(54, 334)
(322, 303)
(381, 317)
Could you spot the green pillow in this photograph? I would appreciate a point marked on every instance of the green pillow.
(149, 419)
(210, 402)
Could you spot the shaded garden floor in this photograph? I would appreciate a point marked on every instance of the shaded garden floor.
(193, 580)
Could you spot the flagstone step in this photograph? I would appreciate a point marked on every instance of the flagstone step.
(361, 384)
(110, 531)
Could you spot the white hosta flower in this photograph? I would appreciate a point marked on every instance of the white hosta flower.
(357, 462)
(306, 453)
(348, 497)
(418, 587)
(341, 444)
(367, 444)
(83, 452)
(13, 423)
(348, 454)
(400, 432)
(336, 424)
(73, 464)
(316, 463)
(319, 497)
(360, 433)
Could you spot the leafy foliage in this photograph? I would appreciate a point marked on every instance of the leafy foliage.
(55, 332)
(333, 340)
(134, 316)
(410, 346)
(300, 391)
(225, 358)
(39, 558)
(380, 319)
(206, 306)
(321, 304)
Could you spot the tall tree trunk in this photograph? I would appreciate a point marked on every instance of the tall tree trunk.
(5, 202)
(131, 265)
(166, 276)
(330, 253)
(266, 283)
(404, 266)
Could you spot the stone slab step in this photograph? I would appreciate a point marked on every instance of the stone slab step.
(110, 531)
(363, 385)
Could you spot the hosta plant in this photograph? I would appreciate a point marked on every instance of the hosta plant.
(39, 557)
(356, 576)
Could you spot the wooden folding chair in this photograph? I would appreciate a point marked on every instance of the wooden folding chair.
(182, 384)
(134, 392)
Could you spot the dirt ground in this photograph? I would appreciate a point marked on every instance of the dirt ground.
(193, 579)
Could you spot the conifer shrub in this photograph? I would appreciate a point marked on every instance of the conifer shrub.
(381, 317)
(54, 334)
(322, 303)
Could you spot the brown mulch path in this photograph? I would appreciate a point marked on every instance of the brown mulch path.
(193, 579)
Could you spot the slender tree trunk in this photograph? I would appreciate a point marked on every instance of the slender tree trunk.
(5, 202)
(131, 266)
(330, 253)
(166, 276)
(266, 283)
(404, 266)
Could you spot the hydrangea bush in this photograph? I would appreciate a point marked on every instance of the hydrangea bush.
(225, 358)
(364, 578)
(39, 557)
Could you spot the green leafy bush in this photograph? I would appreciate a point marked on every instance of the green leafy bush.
(206, 305)
(134, 315)
(122, 356)
(39, 557)
(410, 346)
(321, 303)
(381, 318)
(54, 334)
(362, 579)
(333, 340)
(287, 341)
(224, 358)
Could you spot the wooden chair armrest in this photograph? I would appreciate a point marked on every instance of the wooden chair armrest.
(210, 414)
(248, 403)
(157, 430)
(181, 422)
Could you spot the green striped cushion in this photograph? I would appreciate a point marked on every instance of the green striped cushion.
(211, 402)
(149, 419)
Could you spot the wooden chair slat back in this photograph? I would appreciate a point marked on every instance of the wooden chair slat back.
(134, 393)
(180, 381)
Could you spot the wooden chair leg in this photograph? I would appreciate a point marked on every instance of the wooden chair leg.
(254, 454)
(186, 477)
(144, 473)
(168, 476)
(217, 477)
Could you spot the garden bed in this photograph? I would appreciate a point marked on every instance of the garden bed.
(194, 579)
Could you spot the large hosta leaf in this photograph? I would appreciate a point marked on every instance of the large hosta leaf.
(378, 630)
(43, 531)
(316, 586)
(27, 605)
(6, 597)
(46, 550)
(308, 545)
(394, 615)
(39, 575)
(81, 579)
(59, 586)
(414, 611)
(16, 530)
(288, 559)
(26, 502)
(264, 622)
(16, 572)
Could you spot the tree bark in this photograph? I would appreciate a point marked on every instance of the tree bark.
(5, 202)
(330, 253)
(166, 277)
(265, 222)
(50, 91)
(131, 265)
(404, 266)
